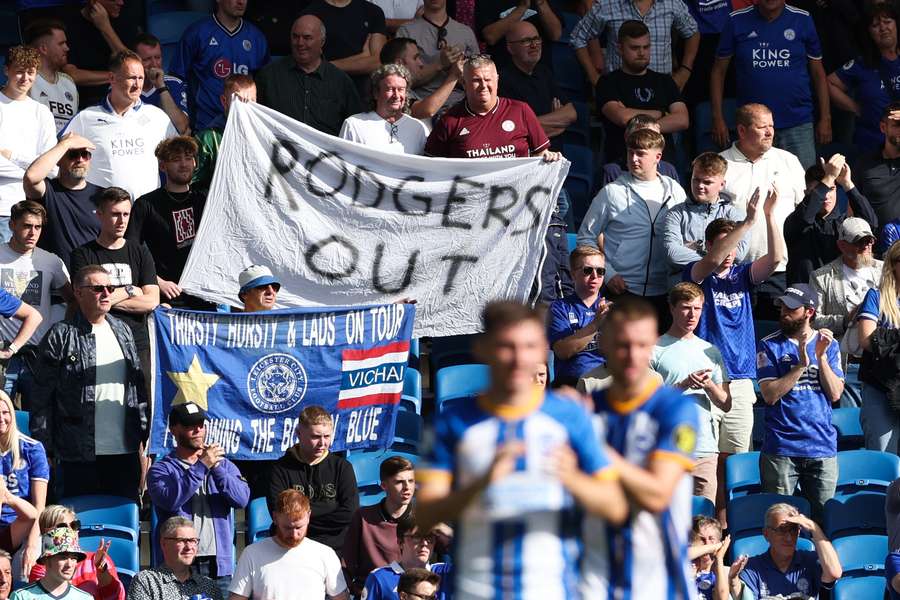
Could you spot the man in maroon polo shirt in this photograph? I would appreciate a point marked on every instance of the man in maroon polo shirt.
(485, 126)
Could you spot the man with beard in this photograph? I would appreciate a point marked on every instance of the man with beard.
(196, 481)
(877, 174)
(289, 566)
(53, 87)
(840, 287)
(800, 376)
(70, 199)
(166, 220)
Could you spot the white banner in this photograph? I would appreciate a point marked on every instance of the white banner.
(340, 224)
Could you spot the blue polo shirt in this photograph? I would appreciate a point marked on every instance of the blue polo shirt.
(800, 423)
(770, 60)
(178, 90)
(727, 318)
(764, 579)
(891, 569)
(873, 89)
(711, 15)
(568, 315)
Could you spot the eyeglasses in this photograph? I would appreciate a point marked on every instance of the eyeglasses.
(275, 287)
(394, 130)
(74, 525)
(786, 529)
(76, 154)
(185, 541)
(99, 289)
(441, 38)
(532, 41)
(598, 271)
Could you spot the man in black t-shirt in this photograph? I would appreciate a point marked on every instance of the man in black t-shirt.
(634, 89)
(129, 264)
(494, 18)
(356, 31)
(166, 220)
(69, 199)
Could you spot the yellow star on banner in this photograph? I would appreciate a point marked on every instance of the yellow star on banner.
(193, 384)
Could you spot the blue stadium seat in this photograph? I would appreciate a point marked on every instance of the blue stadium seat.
(459, 381)
(407, 431)
(746, 514)
(859, 513)
(742, 474)
(862, 554)
(366, 466)
(572, 239)
(258, 520)
(849, 429)
(23, 422)
(107, 516)
(370, 497)
(757, 544)
(703, 507)
(866, 470)
(169, 26)
(857, 588)
(411, 399)
(451, 350)
(702, 122)
(125, 554)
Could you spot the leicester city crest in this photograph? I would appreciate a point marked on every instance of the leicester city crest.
(276, 383)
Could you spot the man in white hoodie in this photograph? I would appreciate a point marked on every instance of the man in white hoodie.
(626, 218)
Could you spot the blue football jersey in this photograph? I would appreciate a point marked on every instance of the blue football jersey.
(178, 90)
(207, 54)
(519, 537)
(647, 557)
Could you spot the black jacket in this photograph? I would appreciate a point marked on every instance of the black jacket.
(330, 486)
(62, 396)
(881, 364)
(812, 241)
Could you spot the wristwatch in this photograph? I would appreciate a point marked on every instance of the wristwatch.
(129, 289)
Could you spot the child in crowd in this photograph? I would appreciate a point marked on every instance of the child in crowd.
(707, 555)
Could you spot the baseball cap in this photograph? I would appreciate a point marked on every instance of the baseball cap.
(256, 276)
(854, 229)
(797, 295)
(187, 414)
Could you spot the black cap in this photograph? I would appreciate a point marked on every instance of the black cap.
(797, 295)
(187, 414)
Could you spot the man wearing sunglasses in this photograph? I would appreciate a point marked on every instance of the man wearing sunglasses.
(89, 402)
(418, 584)
(575, 321)
(259, 288)
(69, 198)
(783, 570)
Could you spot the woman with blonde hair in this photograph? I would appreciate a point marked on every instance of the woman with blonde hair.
(879, 335)
(24, 468)
(96, 574)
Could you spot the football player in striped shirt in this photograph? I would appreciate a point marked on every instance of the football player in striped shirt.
(509, 467)
(650, 431)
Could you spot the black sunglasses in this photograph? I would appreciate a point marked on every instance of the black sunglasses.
(76, 154)
(99, 289)
(441, 38)
(588, 271)
(74, 525)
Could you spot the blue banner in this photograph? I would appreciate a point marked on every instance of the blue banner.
(255, 372)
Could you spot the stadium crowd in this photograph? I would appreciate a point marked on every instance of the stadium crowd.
(734, 282)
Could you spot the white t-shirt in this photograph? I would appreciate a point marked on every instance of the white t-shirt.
(109, 393)
(373, 131)
(398, 9)
(125, 145)
(30, 277)
(857, 282)
(61, 98)
(267, 571)
(652, 192)
(27, 130)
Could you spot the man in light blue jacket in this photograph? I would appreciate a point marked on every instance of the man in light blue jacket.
(684, 228)
(625, 220)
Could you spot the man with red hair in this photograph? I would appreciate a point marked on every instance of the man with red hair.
(289, 565)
